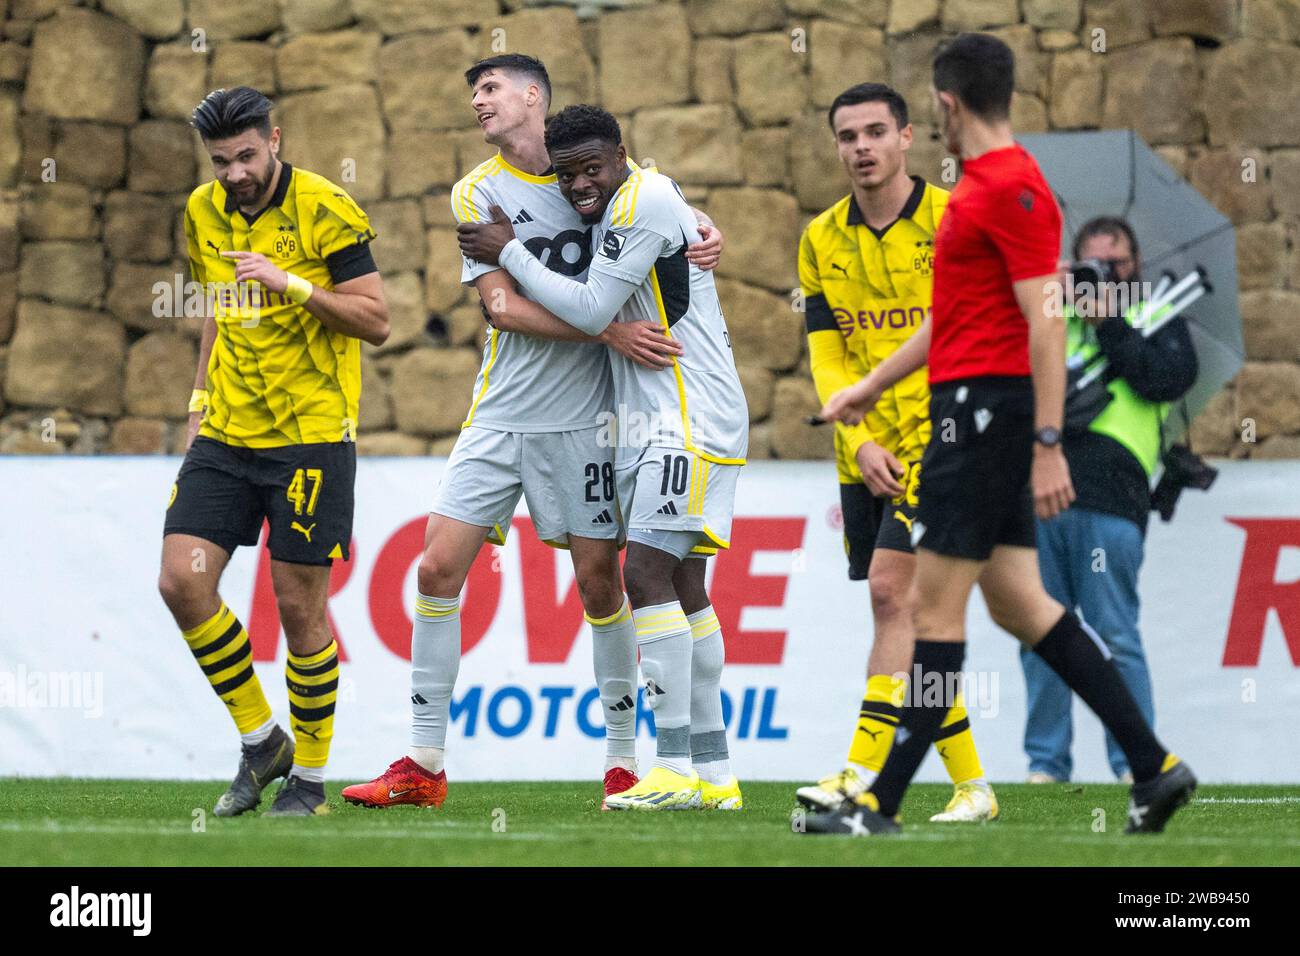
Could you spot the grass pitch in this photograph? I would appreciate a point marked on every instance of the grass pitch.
(146, 823)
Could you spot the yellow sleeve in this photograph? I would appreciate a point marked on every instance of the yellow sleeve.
(192, 244)
(339, 223)
(827, 357)
(830, 372)
(810, 280)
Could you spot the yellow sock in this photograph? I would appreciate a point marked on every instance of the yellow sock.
(221, 646)
(877, 721)
(313, 687)
(956, 745)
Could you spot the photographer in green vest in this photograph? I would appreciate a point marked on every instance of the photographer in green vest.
(1090, 554)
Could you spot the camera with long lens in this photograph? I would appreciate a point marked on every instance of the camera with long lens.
(1093, 272)
(1183, 469)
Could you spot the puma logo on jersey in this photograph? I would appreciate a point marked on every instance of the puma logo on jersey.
(836, 265)
(871, 734)
(905, 519)
(306, 532)
(308, 733)
(522, 217)
(215, 248)
(982, 418)
(918, 530)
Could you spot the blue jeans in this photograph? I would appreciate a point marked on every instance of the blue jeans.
(1089, 562)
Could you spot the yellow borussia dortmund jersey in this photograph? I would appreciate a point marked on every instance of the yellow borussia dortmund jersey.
(276, 375)
(866, 292)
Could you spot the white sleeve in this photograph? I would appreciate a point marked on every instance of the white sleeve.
(588, 307)
(469, 203)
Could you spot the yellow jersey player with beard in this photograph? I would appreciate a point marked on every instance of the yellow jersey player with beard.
(283, 257)
(865, 270)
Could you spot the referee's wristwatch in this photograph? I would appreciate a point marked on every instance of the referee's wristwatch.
(1048, 437)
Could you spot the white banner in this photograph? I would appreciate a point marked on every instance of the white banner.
(96, 681)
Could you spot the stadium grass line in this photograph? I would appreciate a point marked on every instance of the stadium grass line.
(146, 822)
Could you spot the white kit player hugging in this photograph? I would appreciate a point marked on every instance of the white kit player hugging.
(681, 436)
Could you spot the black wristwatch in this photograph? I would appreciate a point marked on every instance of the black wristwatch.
(1048, 437)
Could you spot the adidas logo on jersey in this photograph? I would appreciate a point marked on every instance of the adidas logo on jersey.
(418, 698)
(668, 509)
(522, 217)
(603, 518)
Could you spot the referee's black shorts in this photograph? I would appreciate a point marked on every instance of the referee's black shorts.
(976, 492)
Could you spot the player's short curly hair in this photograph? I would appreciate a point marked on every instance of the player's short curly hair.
(226, 113)
(580, 123)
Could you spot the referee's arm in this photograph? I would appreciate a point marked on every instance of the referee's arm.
(1040, 302)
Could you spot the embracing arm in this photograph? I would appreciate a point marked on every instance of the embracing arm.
(589, 307)
(509, 311)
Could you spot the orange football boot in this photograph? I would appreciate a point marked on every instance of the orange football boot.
(405, 781)
(618, 779)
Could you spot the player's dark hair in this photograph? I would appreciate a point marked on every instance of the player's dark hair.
(580, 123)
(226, 113)
(980, 70)
(1112, 226)
(871, 93)
(518, 63)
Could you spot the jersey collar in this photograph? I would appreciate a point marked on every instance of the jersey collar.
(277, 197)
(546, 177)
(854, 217)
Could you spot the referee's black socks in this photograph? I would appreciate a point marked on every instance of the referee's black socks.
(1081, 660)
(936, 679)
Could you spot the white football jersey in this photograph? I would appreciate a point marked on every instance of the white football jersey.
(529, 384)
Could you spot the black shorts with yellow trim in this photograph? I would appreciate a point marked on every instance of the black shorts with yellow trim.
(870, 523)
(306, 493)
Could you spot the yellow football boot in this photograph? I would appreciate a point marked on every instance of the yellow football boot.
(660, 789)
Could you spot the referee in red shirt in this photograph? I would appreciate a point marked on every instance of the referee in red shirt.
(996, 350)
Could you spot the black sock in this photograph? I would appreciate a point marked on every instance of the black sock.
(1079, 659)
(936, 666)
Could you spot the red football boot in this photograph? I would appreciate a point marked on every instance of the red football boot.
(618, 779)
(405, 781)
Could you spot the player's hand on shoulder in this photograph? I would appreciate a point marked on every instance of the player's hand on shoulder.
(707, 253)
(483, 241)
(880, 470)
(1050, 480)
(642, 342)
(255, 267)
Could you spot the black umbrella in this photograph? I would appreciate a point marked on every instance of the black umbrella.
(1114, 173)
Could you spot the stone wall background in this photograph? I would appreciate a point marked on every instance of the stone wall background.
(728, 96)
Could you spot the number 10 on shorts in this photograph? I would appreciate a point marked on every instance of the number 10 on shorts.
(296, 492)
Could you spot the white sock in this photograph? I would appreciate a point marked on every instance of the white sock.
(430, 758)
(627, 763)
(613, 648)
(435, 661)
(315, 774)
(708, 732)
(865, 774)
(255, 737)
(663, 636)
